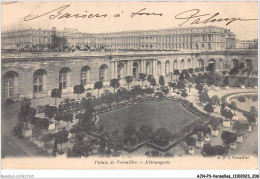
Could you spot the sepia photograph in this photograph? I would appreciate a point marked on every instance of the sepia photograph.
(129, 85)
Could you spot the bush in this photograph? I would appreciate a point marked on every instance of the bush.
(208, 150)
(9, 101)
(220, 150)
(41, 123)
(190, 141)
(241, 99)
(159, 95)
(228, 137)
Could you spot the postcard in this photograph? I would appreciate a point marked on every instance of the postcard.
(129, 85)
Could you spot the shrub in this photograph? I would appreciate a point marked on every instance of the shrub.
(220, 150)
(190, 141)
(9, 101)
(159, 95)
(228, 137)
(208, 150)
(241, 99)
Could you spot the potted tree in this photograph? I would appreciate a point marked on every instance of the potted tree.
(98, 85)
(78, 89)
(49, 112)
(240, 127)
(26, 116)
(199, 142)
(215, 123)
(251, 120)
(56, 93)
(226, 82)
(206, 130)
(229, 138)
(228, 116)
(191, 142)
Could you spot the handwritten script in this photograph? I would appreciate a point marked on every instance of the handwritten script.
(192, 16)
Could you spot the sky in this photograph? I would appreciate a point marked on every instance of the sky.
(13, 16)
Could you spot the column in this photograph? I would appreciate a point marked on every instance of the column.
(116, 75)
(142, 67)
(163, 68)
(154, 68)
(112, 68)
(128, 68)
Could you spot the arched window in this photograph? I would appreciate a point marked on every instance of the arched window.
(10, 84)
(234, 63)
(159, 67)
(64, 78)
(189, 64)
(135, 70)
(148, 68)
(84, 75)
(182, 64)
(167, 67)
(221, 64)
(200, 63)
(39, 81)
(120, 70)
(175, 65)
(102, 73)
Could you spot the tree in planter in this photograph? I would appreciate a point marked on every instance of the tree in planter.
(215, 123)
(227, 114)
(176, 73)
(172, 85)
(128, 79)
(191, 142)
(204, 97)
(181, 77)
(215, 100)
(226, 81)
(180, 85)
(27, 113)
(165, 91)
(240, 127)
(199, 87)
(190, 70)
(98, 85)
(128, 132)
(253, 110)
(114, 83)
(184, 94)
(209, 108)
(233, 106)
(49, 112)
(61, 137)
(47, 138)
(250, 117)
(78, 89)
(145, 131)
(228, 138)
(161, 81)
(142, 77)
(162, 137)
(56, 93)
(153, 82)
(116, 141)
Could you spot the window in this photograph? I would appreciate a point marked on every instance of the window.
(63, 81)
(84, 78)
(38, 84)
(9, 87)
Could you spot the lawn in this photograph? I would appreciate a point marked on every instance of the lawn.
(167, 114)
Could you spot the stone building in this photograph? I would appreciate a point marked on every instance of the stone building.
(34, 75)
(195, 38)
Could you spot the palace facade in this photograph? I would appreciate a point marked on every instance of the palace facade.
(34, 75)
(195, 38)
